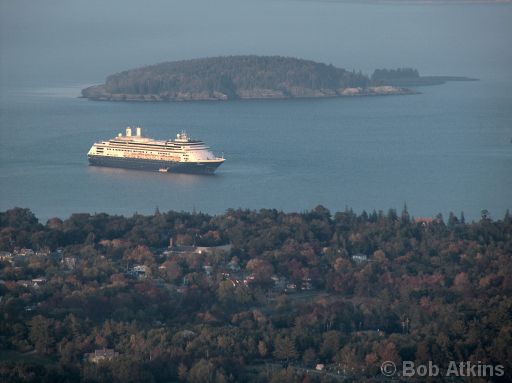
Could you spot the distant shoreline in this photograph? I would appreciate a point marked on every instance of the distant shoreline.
(92, 94)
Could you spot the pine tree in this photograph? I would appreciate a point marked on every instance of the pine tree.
(285, 349)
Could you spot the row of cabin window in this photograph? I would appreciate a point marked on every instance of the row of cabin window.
(133, 151)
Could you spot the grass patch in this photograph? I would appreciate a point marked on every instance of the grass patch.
(7, 356)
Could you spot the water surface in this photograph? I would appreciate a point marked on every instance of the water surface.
(447, 149)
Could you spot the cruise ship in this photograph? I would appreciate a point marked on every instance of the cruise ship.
(133, 151)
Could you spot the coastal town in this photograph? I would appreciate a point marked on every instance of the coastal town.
(254, 296)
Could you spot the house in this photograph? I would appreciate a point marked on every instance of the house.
(306, 285)
(233, 266)
(249, 279)
(359, 258)
(140, 272)
(69, 262)
(183, 249)
(24, 283)
(208, 270)
(165, 254)
(279, 282)
(290, 288)
(204, 249)
(24, 252)
(424, 221)
(38, 282)
(237, 282)
(320, 367)
(100, 355)
(5, 255)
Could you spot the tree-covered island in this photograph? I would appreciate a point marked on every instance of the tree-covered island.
(237, 77)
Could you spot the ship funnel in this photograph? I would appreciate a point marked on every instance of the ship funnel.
(128, 132)
(139, 131)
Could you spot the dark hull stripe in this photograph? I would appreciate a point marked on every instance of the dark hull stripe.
(153, 165)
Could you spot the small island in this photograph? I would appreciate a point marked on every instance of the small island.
(409, 77)
(236, 77)
(251, 77)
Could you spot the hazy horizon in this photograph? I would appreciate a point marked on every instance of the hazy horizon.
(62, 42)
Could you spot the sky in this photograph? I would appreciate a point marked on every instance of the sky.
(60, 41)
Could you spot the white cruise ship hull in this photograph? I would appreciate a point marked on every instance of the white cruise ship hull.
(204, 167)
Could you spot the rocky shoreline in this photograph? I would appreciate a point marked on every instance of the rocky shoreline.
(100, 93)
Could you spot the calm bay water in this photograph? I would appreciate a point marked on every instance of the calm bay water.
(447, 149)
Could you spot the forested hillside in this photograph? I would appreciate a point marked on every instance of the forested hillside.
(286, 292)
